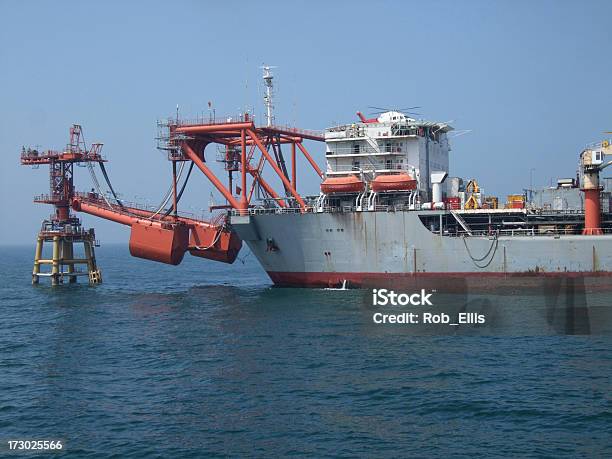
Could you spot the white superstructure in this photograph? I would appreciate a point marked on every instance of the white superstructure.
(390, 143)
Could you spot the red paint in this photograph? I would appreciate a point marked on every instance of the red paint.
(202, 128)
(165, 245)
(166, 238)
(453, 203)
(454, 281)
(592, 212)
(366, 120)
(277, 169)
(214, 244)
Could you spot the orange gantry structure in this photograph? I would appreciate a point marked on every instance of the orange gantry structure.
(247, 150)
(165, 235)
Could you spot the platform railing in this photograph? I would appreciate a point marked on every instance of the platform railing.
(96, 199)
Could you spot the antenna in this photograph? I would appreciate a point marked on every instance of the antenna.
(267, 77)
(211, 112)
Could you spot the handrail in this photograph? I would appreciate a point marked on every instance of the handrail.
(97, 200)
(516, 232)
(370, 167)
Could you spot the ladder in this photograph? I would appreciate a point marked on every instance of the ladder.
(462, 222)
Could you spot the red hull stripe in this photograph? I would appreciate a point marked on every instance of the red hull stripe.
(487, 279)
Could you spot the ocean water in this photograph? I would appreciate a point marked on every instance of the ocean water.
(206, 360)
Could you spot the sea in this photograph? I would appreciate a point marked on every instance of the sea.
(210, 360)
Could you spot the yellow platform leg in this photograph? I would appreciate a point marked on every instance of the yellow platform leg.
(37, 256)
(68, 254)
(55, 272)
(95, 276)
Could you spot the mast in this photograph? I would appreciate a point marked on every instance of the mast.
(267, 77)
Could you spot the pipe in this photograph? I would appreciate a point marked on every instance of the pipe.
(109, 214)
(293, 176)
(291, 132)
(174, 193)
(310, 160)
(214, 127)
(243, 159)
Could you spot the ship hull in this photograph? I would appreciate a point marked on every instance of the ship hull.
(374, 249)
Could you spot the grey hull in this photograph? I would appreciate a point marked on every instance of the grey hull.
(376, 248)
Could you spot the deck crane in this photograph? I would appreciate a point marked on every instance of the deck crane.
(592, 162)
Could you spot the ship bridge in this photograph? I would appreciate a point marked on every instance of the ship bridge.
(392, 143)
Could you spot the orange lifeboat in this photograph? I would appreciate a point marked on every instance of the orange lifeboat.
(393, 182)
(350, 184)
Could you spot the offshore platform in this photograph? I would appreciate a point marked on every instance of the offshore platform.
(63, 229)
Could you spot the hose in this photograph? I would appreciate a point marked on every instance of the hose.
(218, 235)
(110, 187)
(165, 200)
(493, 248)
(178, 197)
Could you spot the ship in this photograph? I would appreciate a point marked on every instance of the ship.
(388, 211)
(388, 214)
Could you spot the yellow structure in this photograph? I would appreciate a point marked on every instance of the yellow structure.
(472, 187)
(492, 202)
(471, 203)
(62, 261)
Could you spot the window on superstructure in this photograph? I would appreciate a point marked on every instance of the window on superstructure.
(388, 147)
(388, 163)
(356, 165)
(356, 149)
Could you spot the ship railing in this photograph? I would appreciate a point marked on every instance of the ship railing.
(289, 210)
(372, 167)
(214, 119)
(210, 119)
(295, 130)
(47, 198)
(267, 211)
(407, 207)
(365, 150)
(539, 211)
(516, 232)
